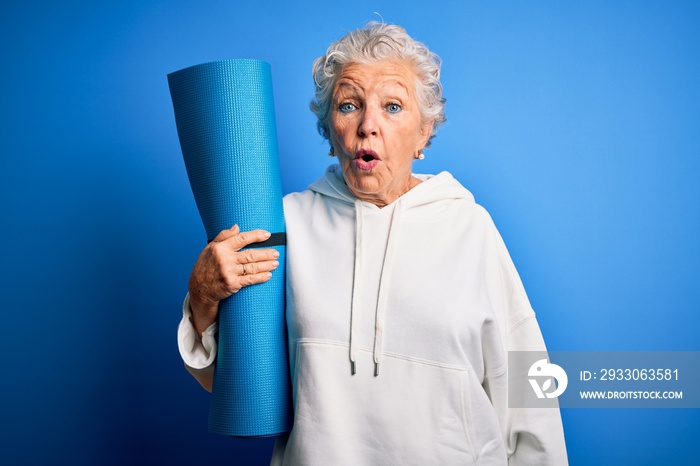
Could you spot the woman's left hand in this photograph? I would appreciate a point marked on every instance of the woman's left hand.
(222, 269)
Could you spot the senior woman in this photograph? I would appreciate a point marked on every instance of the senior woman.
(402, 300)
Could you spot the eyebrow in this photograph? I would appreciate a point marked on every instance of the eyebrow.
(345, 83)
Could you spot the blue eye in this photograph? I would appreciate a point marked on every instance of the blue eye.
(346, 107)
(393, 108)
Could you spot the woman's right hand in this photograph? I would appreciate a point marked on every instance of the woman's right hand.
(222, 269)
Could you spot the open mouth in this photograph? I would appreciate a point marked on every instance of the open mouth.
(366, 159)
(366, 154)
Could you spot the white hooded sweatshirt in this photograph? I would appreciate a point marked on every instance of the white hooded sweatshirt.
(400, 320)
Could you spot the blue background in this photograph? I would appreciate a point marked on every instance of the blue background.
(574, 123)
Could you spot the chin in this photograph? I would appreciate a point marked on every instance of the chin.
(363, 184)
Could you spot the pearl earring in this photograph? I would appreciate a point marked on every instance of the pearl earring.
(420, 155)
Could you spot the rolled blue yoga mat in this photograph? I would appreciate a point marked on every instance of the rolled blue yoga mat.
(225, 119)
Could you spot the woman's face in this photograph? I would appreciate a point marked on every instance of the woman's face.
(376, 129)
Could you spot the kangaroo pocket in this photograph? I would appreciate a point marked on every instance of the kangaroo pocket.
(415, 413)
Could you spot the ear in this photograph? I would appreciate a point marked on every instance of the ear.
(426, 130)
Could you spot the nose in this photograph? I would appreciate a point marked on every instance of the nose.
(368, 123)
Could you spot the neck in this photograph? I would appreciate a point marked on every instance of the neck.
(384, 200)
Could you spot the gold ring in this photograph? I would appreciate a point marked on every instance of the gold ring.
(243, 268)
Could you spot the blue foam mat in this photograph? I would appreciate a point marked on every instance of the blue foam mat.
(225, 118)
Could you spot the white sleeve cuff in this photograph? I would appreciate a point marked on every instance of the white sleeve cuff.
(197, 353)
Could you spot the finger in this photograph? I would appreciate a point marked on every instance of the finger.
(254, 279)
(226, 234)
(247, 238)
(255, 268)
(252, 255)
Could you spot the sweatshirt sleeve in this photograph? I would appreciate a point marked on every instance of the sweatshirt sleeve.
(198, 354)
(531, 435)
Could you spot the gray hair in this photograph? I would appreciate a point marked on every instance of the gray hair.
(374, 43)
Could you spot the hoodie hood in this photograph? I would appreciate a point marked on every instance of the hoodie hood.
(423, 200)
(434, 188)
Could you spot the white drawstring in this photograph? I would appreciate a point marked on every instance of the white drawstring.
(384, 287)
(356, 289)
